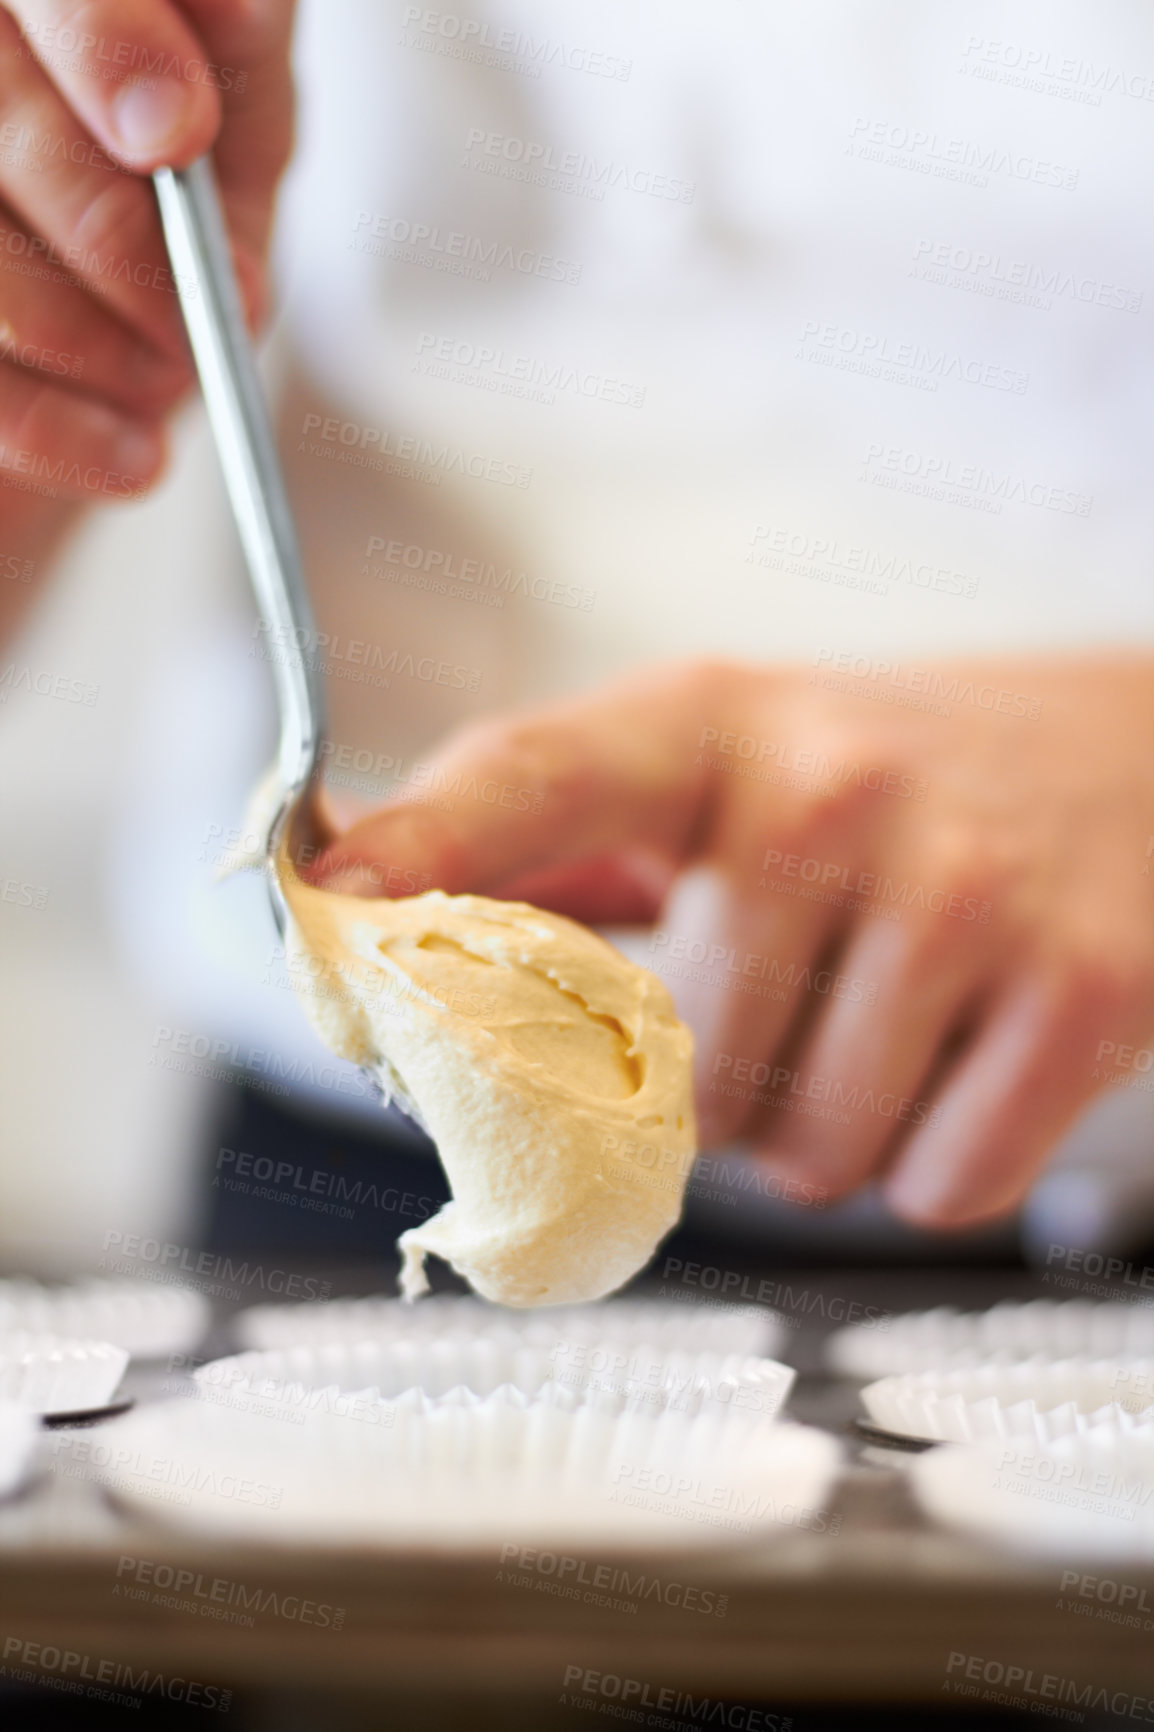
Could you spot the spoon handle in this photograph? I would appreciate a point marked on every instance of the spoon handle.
(206, 284)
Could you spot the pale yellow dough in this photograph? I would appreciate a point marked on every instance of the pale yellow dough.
(552, 1074)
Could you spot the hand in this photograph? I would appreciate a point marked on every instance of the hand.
(96, 96)
(918, 933)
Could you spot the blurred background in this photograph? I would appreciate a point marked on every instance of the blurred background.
(541, 436)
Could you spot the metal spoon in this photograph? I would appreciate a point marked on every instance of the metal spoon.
(198, 247)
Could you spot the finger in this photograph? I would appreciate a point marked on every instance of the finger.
(625, 889)
(763, 935)
(736, 963)
(1022, 1082)
(869, 1054)
(131, 70)
(34, 528)
(56, 444)
(586, 777)
(50, 324)
(91, 219)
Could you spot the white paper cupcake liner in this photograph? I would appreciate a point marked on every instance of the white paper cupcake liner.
(1090, 1494)
(19, 1432)
(144, 1319)
(743, 1329)
(1037, 1399)
(945, 1338)
(464, 1472)
(54, 1374)
(625, 1376)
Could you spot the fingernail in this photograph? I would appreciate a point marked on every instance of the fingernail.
(253, 287)
(707, 1126)
(794, 1181)
(339, 872)
(717, 1121)
(917, 1196)
(348, 882)
(147, 120)
(696, 914)
(137, 451)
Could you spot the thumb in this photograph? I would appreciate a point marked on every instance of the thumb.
(131, 70)
(594, 776)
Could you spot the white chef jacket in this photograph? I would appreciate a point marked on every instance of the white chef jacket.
(607, 335)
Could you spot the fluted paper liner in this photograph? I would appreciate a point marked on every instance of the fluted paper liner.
(945, 1338)
(144, 1318)
(19, 1431)
(1089, 1494)
(624, 1376)
(469, 1472)
(53, 1374)
(1038, 1399)
(743, 1329)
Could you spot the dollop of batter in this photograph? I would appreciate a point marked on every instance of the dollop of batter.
(552, 1074)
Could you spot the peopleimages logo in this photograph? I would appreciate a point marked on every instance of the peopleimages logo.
(881, 356)
(576, 1578)
(1002, 278)
(1040, 69)
(502, 47)
(1021, 1686)
(930, 683)
(924, 151)
(179, 1265)
(453, 250)
(168, 1479)
(367, 447)
(826, 878)
(291, 1181)
(790, 974)
(584, 1688)
(804, 761)
(567, 170)
(738, 1288)
(450, 573)
(737, 1072)
(217, 1597)
(850, 564)
(936, 476)
(1106, 1598)
(47, 685)
(120, 61)
(102, 1679)
(1077, 1260)
(489, 367)
(329, 652)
